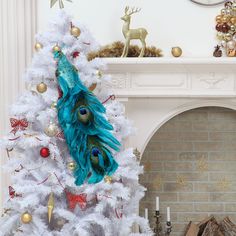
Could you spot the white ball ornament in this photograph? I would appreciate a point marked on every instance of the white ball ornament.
(228, 12)
(223, 43)
(232, 28)
(231, 44)
(234, 37)
(51, 130)
(223, 11)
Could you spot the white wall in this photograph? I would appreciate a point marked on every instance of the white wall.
(17, 20)
(169, 23)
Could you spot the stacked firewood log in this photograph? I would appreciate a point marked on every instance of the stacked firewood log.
(210, 227)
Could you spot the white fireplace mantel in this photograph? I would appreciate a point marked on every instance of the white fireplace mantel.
(173, 77)
(156, 89)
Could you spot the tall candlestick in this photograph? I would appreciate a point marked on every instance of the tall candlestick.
(146, 213)
(157, 204)
(168, 214)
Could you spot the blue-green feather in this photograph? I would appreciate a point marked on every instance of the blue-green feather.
(87, 132)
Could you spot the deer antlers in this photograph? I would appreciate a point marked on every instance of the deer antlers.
(133, 10)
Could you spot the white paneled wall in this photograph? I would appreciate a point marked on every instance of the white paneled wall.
(169, 23)
(17, 27)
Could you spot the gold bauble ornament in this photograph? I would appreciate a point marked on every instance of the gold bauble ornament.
(26, 218)
(233, 20)
(75, 31)
(38, 46)
(51, 130)
(108, 179)
(231, 53)
(176, 51)
(218, 19)
(234, 7)
(220, 35)
(54, 105)
(225, 19)
(50, 206)
(228, 37)
(42, 87)
(71, 166)
(92, 87)
(56, 48)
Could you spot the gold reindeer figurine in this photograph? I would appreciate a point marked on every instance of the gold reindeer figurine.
(130, 34)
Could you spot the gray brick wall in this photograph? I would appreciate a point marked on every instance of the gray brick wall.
(190, 163)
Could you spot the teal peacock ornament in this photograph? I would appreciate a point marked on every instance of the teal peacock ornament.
(87, 133)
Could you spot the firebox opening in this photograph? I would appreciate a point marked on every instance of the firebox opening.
(190, 164)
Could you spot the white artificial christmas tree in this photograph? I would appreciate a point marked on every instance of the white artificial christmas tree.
(43, 197)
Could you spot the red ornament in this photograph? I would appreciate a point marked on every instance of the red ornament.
(219, 27)
(75, 54)
(44, 152)
(74, 199)
(225, 28)
(12, 192)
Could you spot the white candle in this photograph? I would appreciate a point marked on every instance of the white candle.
(157, 204)
(168, 214)
(146, 213)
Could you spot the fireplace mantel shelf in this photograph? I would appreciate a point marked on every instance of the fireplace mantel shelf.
(171, 60)
(182, 63)
(173, 77)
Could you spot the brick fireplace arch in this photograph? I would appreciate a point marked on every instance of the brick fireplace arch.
(155, 124)
(190, 163)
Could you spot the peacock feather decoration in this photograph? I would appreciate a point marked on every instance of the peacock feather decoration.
(87, 132)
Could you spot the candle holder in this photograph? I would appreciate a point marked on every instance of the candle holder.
(168, 228)
(158, 228)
